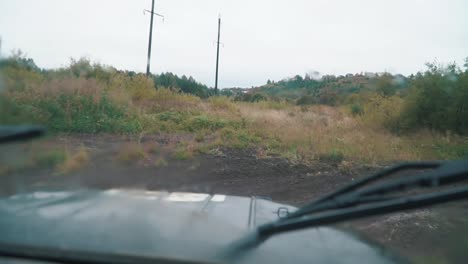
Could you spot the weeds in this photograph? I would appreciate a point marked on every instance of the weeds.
(334, 155)
(161, 162)
(74, 161)
(130, 152)
(182, 154)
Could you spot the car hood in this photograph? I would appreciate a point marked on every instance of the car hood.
(179, 226)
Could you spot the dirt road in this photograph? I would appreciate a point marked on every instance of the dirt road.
(241, 172)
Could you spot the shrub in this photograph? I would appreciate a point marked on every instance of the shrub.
(74, 161)
(130, 152)
(333, 156)
(182, 154)
(80, 113)
(438, 100)
(356, 109)
(204, 122)
(306, 100)
(382, 111)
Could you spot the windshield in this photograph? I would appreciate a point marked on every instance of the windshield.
(286, 100)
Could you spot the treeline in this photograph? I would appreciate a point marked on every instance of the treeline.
(185, 84)
(83, 68)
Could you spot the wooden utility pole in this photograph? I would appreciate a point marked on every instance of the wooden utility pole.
(150, 36)
(217, 55)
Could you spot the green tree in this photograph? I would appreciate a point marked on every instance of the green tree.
(385, 85)
(438, 99)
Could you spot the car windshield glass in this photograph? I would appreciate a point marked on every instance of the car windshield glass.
(223, 116)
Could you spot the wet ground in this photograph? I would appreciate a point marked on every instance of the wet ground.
(241, 172)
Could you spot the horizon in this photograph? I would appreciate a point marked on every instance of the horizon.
(318, 76)
(263, 40)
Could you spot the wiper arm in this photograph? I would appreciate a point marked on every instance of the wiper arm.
(376, 199)
(19, 133)
(357, 201)
(394, 205)
(330, 200)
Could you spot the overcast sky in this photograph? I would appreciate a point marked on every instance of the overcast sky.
(264, 39)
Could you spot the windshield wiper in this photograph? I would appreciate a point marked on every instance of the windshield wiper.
(19, 133)
(337, 198)
(358, 200)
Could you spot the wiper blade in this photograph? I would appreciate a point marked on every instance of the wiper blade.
(404, 203)
(331, 200)
(19, 133)
(357, 201)
(377, 197)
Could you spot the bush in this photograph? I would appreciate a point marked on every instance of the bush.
(356, 109)
(68, 113)
(438, 100)
(306, 100)
(382, 111)
(333, 156)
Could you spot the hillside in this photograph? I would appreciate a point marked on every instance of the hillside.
(329, 89)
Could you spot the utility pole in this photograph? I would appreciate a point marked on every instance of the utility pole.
(217, 55)
(150, 36)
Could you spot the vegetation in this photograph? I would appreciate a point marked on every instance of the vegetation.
(337, 119)
(184, 84)
(130, 152)
(436, 99)
(74, 161)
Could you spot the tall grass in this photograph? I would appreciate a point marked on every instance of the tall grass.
(117, 102)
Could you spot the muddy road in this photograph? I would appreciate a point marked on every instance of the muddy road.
(443, 230)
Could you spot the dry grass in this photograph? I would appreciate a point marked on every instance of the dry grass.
(165, 100)
(323, 131)
(130, 152)
(161, 162)
(222, 104)
(186, 150)
(74, 161)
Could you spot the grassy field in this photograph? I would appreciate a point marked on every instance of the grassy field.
(116, 103)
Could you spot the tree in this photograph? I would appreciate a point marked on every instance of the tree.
(385, 85)
(438, 99)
